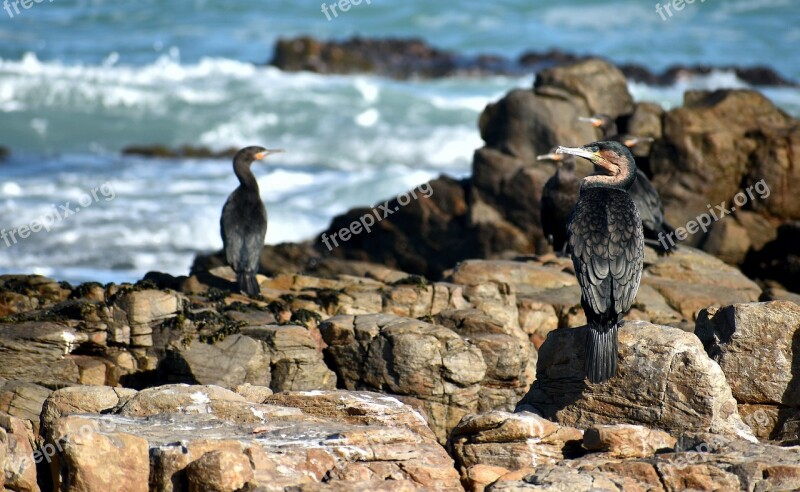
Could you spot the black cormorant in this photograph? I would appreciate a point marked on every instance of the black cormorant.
(559, 196)
(243, 224)
(607, 246)
(643, 192)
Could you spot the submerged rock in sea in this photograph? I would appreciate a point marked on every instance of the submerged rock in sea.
(410, 57)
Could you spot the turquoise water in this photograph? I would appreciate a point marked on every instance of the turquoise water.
(80, 80)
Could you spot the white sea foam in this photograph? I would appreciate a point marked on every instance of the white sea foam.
(351, 141)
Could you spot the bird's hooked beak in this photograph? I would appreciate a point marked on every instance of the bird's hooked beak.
(631, 142)
(550, 157)
(597, 159)
(595, 122)
(266, 152)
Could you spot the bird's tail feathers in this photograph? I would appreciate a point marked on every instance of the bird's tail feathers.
(601, 352)
(248, 283)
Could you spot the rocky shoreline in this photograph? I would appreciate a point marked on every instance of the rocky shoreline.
(444, 350)
(726, 159)
(369, 378)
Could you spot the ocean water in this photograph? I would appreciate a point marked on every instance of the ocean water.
(81, 80)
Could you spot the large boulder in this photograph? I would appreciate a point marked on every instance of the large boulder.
(598, 84)
(284, 358)
(498, 209)
(208, 438)
(721, 143)
(424, 363)
(665, 380)
(757, 345)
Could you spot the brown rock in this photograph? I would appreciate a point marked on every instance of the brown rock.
(626, 441)
(212, 439)
(17, 462)
(282, 358)
(697, 477)
(764, 420)
(81, 399)
(95, 461)
(478, 477)
(512, 441)
(716, 142)
(646, 121)
(356, 408)
(665, 380)
(35, 351)
(562, 479)
(219, 471)
(756, 346)
(427, 363)
(524, 277)
(690, 280)
(23, 400)
(143, 309)
(728, 240)
(253, 394)
(600, 85)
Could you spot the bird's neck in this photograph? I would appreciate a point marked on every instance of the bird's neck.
(622, 183)
(246, 177)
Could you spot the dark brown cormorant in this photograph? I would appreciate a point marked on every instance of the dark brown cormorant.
(559, 196)
(243, 224)
(607, 247)
(643, 192)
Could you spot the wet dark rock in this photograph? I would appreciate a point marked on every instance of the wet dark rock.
(275, 260)
(186, 151)
(754, 75)
(424, 237)
(404, 58)
(779, 259)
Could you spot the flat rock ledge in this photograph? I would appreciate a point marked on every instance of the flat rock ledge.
(201, 438)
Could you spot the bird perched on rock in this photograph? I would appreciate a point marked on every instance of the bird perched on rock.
(559, 196)
(644, 194)
(243, 224)
(606, 243)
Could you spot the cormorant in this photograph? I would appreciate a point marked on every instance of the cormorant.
(643, 192)
(607, 247)
(559, 196)
(243, 224)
